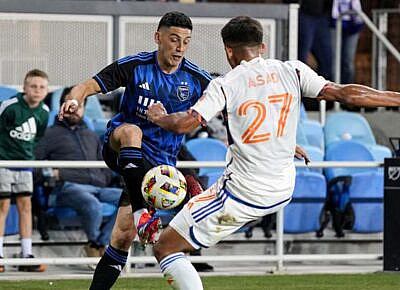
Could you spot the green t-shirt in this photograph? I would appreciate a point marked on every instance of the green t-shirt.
(20, 128)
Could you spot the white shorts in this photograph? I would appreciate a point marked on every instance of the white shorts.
(216, 213)
(13, 181)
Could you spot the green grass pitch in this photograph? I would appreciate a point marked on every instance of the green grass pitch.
(378, 281)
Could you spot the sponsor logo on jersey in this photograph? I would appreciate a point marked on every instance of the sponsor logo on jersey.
(26, 132)
(183, 91)
(145, 86)
(143, 104)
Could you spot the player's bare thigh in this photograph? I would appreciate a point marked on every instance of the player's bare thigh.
(170, 242)
(126, 135)
(124, 230)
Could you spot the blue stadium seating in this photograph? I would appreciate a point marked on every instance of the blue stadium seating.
(302, 214)
(12, 221)
(352, 126)
(314, 132)
(208, 149)
(7, 92)
(301, 137)
(345, 126)
(366, 189)
(347, 151)
(311, 129)
(366, 197)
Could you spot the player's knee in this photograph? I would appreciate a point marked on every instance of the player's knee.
(4, 205)
(24, 204)
(160, 250)
(130, 131)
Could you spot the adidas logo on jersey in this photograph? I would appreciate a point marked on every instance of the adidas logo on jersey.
(145, 86)
(25, 132)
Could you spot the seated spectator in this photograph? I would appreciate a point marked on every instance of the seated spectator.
(81, 189)
(23, 120)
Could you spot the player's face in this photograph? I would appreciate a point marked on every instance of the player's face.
(172, 44)
(35, 90)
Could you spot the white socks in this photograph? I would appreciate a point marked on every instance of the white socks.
(180, 273)
(26, 245)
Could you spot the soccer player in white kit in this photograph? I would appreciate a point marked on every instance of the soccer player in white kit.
(261, 100)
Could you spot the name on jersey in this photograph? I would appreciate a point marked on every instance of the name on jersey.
(263, 80)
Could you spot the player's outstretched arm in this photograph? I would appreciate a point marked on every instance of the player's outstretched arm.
(359, 95)
(180, 122)
(77, 96)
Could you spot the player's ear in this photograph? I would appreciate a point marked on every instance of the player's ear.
(263, 48)
(229, 51)
(157, 37)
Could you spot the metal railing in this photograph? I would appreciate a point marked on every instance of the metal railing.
(377, 32)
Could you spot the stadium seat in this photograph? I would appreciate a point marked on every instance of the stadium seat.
(12, 221)
(366, 188)
(366, 197)
(348, 126)
(311, 129)
(347, 151)
(352, 126)
(301, 137)
(314, 133)
(7, 92)
(208, 149)
(302, 214)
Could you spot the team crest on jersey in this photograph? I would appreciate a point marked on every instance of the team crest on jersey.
(183, 92)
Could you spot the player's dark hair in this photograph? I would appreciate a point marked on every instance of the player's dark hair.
(175, 18)
(242, 31)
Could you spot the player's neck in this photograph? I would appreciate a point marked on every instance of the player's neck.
(246, 55)
(167, 68)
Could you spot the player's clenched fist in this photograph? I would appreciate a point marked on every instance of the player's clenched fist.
(156, 111)
(69, 106)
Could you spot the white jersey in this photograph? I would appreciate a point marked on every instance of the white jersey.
(262, 101)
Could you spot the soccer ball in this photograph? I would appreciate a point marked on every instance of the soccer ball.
(164, 187)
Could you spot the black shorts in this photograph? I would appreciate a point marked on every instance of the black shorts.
(110, 157)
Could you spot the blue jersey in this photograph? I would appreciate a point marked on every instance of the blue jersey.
(145, 84)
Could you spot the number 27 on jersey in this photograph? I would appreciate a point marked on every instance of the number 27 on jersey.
(250, 135)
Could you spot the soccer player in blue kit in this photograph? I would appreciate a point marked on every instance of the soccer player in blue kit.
(132, 143)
